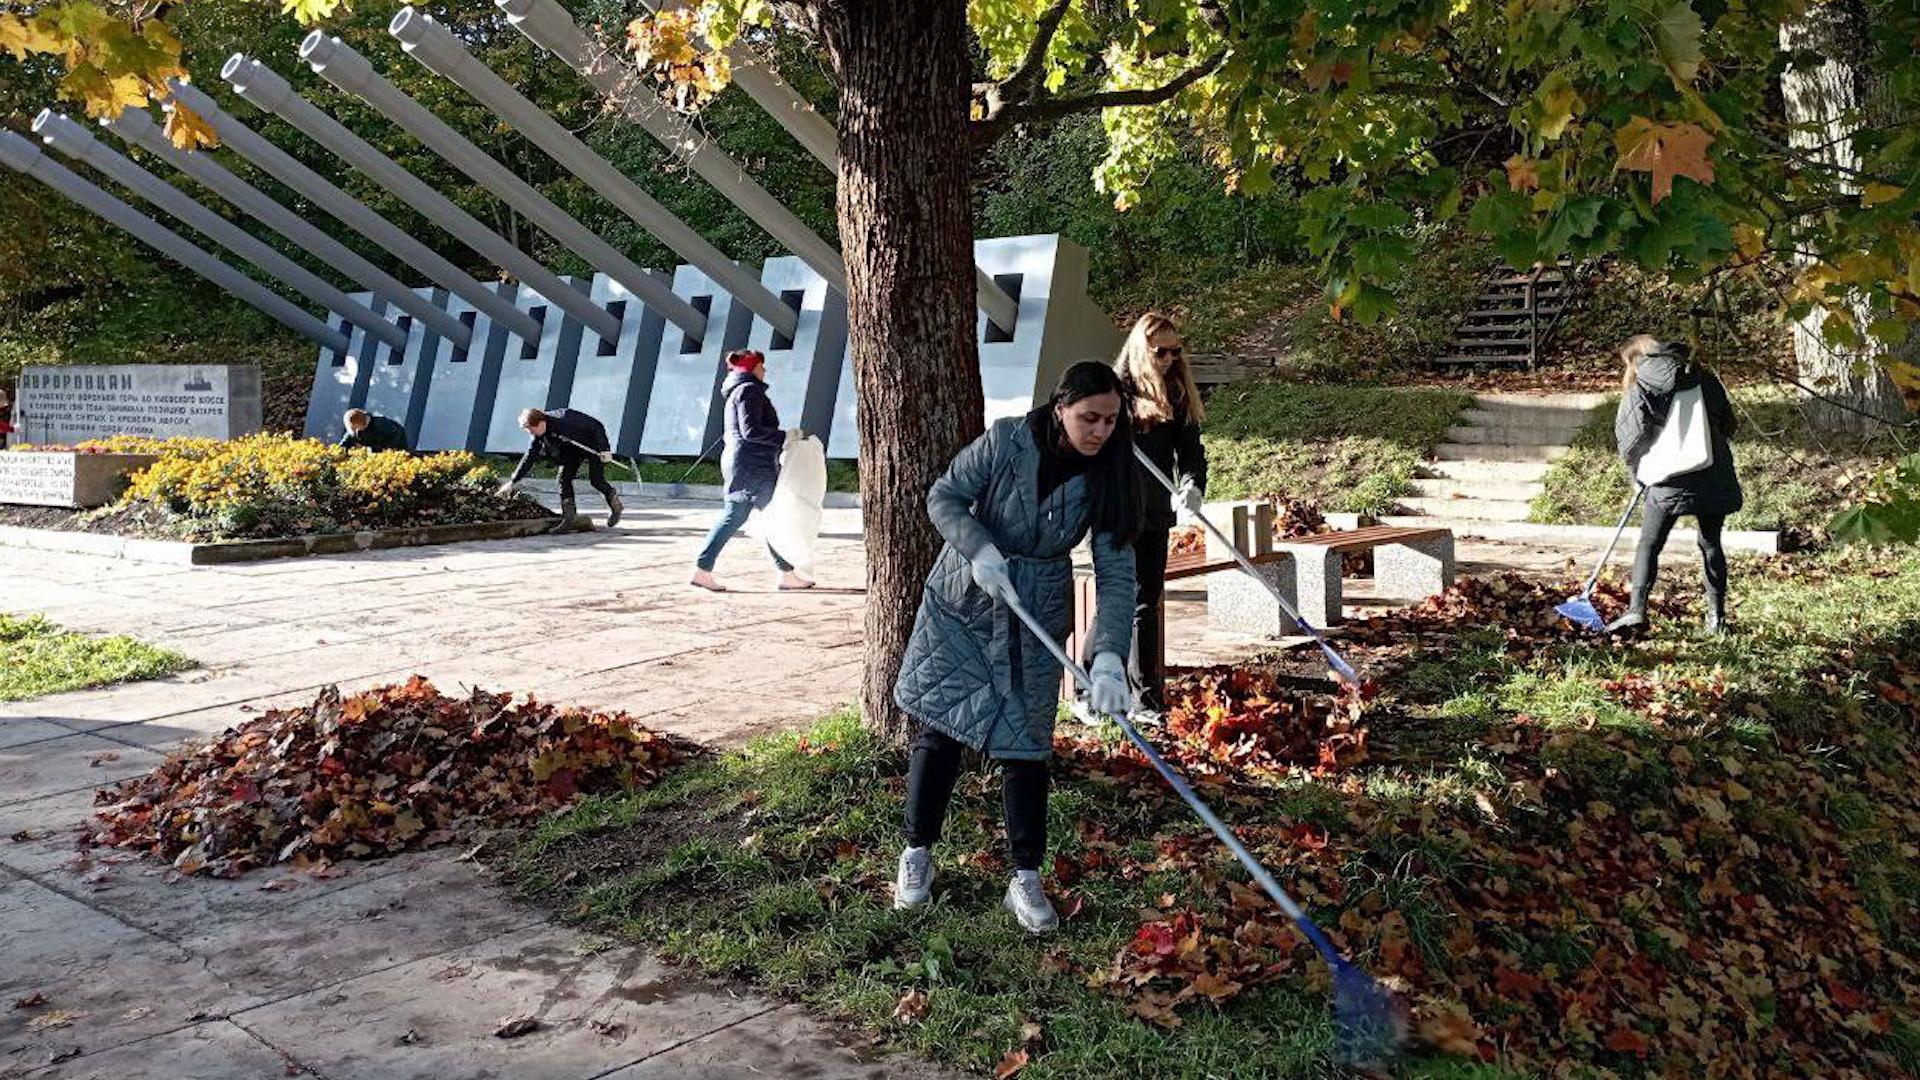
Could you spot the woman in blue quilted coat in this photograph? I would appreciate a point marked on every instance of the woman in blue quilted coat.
(1012, 507)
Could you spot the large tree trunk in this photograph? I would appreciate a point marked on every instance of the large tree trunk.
(1855, 392)
(906, 226)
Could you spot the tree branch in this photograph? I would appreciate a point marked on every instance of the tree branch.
(1039, 110)
(1021, 78)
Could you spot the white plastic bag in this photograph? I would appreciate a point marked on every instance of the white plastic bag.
(791, 522)
(1684, 444)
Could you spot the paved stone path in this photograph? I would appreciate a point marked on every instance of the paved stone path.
(405, 967)
(402, 967)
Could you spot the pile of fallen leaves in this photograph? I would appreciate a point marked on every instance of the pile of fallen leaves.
(391, 769)
(1520, 607)
(1237, 722)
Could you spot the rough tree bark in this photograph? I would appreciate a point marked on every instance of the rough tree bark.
(1856, 390)
(906, 225)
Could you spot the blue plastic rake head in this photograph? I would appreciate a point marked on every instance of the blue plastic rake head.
(1579, 610)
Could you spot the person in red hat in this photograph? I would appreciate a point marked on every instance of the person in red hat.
(750, 464)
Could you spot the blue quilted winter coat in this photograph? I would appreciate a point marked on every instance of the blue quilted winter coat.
(972, 671)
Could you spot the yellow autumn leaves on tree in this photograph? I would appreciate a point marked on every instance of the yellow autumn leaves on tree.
(670, 47)
(111, 64)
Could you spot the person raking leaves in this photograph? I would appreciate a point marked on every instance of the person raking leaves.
(1012, 507)
(370, 432)
(569, 438)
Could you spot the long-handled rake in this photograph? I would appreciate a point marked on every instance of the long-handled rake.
(678, 489)
(606, 457)
(1334, 659)
(1579, 610)
(1366, 1017)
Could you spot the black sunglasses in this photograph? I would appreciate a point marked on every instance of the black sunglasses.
(1168, 350)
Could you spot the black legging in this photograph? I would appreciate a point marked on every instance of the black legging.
(1656, 523)
(1150, 583)
(931, 772)
(596, 476)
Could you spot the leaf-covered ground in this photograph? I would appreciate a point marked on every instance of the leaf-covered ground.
(1681, 856)
(38, 658)
(391, 769)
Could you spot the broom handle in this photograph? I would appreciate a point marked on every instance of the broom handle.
(1186, 792)
(1615, 542)
(1340, 665)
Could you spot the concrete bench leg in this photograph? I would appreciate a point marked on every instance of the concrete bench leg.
(1237, 603)
(1414, 570)
(1317, 584)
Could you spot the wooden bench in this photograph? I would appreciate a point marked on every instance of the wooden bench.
(1408, 563)
(1235, 602)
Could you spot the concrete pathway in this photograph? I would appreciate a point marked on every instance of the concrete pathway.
(403, 967)
(406, 967)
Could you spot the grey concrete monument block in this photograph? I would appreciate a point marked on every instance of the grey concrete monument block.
(613, 380)
(683, 415)
(399, 380)
(1058, 324)
(527, 373)
(803, 371)
(459, 408)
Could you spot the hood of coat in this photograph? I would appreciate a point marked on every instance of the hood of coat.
(1667, 370)
(737, 379)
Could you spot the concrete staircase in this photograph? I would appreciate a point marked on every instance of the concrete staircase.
(1490, 468)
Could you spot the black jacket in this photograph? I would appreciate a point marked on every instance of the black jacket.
(1176, 448)
(380, 433)
(565, 427)
(1643, 411)
(750, 460)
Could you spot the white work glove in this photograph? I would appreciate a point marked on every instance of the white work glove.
(795, 435)
(990, 572)
(1190, 497)
(1108, 694)
(606, 457)
(506, 489)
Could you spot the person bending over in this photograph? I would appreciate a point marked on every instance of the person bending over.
(569, 438)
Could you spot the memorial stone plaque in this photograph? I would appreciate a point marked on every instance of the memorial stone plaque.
(36, 479)
(63, 478)
(62, 405)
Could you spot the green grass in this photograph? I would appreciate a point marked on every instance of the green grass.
(772, 865)
(1795, 479)
(39, 658)
(1345, 448)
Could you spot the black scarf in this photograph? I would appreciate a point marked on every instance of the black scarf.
(1057, 464)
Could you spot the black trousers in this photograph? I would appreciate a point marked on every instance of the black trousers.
(596, 476)
(932, 770)
(1656, 524)
(1150, 584)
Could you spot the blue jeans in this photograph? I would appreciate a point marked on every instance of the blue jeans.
(730, 522)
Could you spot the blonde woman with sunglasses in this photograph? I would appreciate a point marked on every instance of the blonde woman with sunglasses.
(1167, 413)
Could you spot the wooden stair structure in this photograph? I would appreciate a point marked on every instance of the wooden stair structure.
(1514, 318)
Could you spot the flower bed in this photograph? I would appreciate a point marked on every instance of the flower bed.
(267, 486)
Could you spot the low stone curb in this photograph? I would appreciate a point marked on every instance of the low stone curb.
(1594, 536)
(220, 553)
(835, 500)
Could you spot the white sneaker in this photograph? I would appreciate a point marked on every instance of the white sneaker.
(913, 883)
(1027, 899)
